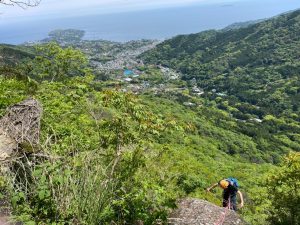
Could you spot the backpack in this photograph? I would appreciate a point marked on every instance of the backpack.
(233, 181)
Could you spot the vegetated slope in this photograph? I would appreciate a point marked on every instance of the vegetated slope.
(10, 54)
(252, 73)
(258, 64)
(110, 156)
(182, 154)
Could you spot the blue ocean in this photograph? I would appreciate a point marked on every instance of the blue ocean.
(152, 24)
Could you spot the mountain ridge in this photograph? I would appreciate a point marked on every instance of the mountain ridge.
(251, 73)
(222, 60)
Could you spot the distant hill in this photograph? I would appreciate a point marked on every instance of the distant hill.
(258, 64)
(65, 36)
(250, 73)
(10, 54)
(239, 25)
(245, 24)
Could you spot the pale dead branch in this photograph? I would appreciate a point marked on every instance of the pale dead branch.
(23, 4)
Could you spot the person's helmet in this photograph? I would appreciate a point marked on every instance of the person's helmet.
(224, 184)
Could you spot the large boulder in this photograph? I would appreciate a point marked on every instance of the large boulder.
(20, 125)
(199, 212)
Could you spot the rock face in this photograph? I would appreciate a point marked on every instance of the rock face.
(200, 212)
(7, 145)
(21, 124)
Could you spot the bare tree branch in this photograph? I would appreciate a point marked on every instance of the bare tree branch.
(21, 3)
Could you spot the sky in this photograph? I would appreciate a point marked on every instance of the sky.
(124, 20)
(69, 8)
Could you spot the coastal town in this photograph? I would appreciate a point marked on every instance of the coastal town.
(119, 65)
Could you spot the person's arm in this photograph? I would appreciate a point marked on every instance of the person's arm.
(212, 187)
(242, 199)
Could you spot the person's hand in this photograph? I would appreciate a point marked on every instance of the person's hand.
(208, 189)
(241, 205)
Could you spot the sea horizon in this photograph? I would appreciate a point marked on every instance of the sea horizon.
(156, 24)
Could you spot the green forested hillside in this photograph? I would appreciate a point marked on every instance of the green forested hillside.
(10, 54)
(168, 152)
(250, 73)
(258, 65)
(239, 25)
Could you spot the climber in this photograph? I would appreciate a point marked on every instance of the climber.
(230, 189)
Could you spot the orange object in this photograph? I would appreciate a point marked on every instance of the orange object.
(224, 184)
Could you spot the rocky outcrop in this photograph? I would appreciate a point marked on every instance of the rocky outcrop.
(21, 124)
(200, 212)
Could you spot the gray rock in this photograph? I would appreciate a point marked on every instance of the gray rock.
(199, 212)
(20, 125)
(7, 146)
